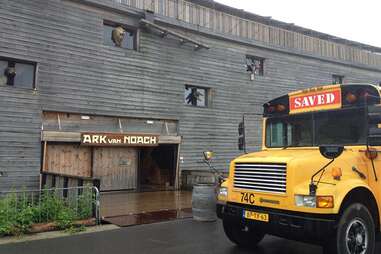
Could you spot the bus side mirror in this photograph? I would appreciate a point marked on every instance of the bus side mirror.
(331, 151)
(208, 155)
(374, 121)
(241, 136)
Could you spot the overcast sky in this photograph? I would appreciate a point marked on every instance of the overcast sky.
(354, 20)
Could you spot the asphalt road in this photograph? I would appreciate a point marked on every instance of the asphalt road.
(186, 236)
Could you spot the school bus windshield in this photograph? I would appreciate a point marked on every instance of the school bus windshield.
(339, 127)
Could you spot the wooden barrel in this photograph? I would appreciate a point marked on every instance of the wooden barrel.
(204, 202)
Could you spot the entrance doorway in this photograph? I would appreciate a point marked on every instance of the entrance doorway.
(118, 168)
(157, 169)
(134, 159)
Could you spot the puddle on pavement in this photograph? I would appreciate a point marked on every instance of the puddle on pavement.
(149, 217)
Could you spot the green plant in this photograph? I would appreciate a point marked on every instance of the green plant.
(6, 215)
(65, 218)
(16, 215)
(85, 205)
(18, 212)
(23, 220)
(75, 229)
(50, 206)
(5, 228)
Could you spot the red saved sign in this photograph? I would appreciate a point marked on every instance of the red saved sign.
(315, 100)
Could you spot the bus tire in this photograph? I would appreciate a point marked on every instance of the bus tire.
(355, 232)
(242, 236)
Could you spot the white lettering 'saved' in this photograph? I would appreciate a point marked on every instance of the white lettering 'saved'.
(314, 100)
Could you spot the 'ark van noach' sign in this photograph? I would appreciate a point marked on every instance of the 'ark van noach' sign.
(107, 139)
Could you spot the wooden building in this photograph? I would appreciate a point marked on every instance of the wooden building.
(153, 83)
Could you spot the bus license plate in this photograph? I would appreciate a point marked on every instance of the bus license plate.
(256, 216)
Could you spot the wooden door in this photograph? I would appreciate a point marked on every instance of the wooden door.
(116, 167)
(67, 159)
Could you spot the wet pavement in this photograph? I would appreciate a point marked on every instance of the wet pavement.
(150, 217)
(181, 236)
(120, 203)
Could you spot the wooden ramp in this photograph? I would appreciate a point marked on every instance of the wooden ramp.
(131, 208)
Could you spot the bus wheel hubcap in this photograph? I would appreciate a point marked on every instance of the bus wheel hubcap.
(356, 237)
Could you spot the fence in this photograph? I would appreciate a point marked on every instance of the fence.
(53, 180)
(23, 208)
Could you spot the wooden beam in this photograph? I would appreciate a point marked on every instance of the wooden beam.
(183, 38)
(178, 173)
(120, 125)
(169, 140)
(43, 168)
(59, 136)
(71, 176)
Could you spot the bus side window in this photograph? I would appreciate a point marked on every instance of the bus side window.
(290, 135)
(274, 134)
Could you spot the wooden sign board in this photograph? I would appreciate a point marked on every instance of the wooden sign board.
(116, 139)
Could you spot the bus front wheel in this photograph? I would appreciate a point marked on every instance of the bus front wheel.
(355, 232)
(242, 236)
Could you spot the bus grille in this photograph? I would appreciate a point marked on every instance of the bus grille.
(262, 177)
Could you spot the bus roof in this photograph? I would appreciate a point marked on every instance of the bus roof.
(326, 97)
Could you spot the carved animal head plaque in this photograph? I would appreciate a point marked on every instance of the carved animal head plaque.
(10, 72)
(118, 35)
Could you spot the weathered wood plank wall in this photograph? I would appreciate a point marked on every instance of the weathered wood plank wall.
(68, 159)
(20, 123)
(225, 23)
(116, 168)
(78, 74)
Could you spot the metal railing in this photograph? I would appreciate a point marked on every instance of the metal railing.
(43, 206)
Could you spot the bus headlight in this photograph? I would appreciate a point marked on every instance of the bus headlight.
(305, 201)
(222, 194)
(314, 201)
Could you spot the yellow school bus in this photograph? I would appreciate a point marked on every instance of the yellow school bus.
(317, 178)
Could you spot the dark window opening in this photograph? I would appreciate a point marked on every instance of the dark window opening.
(255, 65)
(337, 79)
(196, 96)
(17, 73)
(119, 36)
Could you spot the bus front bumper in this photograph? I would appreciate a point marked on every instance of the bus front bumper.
(313, 228)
